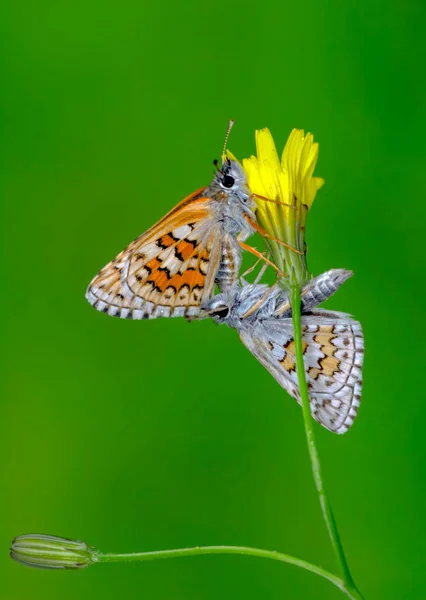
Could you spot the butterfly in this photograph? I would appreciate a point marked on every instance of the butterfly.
(333, 343)
(172, 268)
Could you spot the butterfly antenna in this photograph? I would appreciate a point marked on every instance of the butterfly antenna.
(228, 131)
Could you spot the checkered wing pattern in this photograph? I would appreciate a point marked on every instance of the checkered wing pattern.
(333, 348)
(168, 271)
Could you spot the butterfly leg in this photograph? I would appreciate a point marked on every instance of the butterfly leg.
(275, 201)
(252, 268)
(260, 302)
(265, 234)
(261, 272)
(249, 270)
(260, 256)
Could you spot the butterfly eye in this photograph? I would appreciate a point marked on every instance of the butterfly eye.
(228, 181)
(221, 312)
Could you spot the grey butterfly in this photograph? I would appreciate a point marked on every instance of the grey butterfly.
(333, 343)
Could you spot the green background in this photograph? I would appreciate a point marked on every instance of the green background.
(151, 435)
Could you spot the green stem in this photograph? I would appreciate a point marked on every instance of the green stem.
(333, 532)
(244, 550)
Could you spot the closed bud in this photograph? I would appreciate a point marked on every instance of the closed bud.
(51, 552)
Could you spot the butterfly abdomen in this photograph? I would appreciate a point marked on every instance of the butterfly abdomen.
(323, 287)
(230, 263)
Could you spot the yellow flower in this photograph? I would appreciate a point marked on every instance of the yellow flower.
(284, 192)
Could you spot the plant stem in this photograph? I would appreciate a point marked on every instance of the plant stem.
(244, 550)
(327, 512)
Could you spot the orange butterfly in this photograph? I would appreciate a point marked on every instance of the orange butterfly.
(172, 268)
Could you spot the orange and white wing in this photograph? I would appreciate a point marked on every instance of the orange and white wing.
(333, 348)
(168, 271)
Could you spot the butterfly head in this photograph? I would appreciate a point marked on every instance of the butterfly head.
(238, 304)
(231, 180)
(219, 308)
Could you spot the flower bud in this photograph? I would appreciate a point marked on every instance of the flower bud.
(51, 552)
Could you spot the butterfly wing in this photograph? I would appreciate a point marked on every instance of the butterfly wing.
(333, 348)
(168, 271)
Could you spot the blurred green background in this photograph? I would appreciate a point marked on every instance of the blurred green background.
(151, 435)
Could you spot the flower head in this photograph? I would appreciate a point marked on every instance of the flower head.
(51, 552)
(284, 192)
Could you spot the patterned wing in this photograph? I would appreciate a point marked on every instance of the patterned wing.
(168, 271)
(333, 347)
